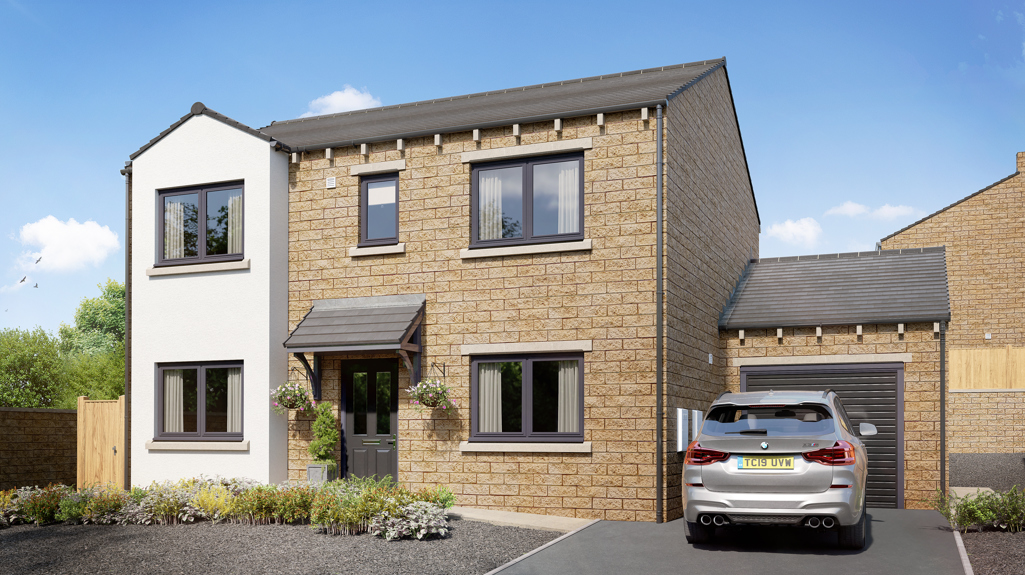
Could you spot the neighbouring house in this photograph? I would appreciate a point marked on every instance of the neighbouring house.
(866, 325)
(984, 235)
(558, 254)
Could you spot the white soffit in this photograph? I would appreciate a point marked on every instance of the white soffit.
(526, 150)
(528, 347)
(377, 168)
(823, 359)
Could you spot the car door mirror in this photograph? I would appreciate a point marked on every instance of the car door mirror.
(866, 429)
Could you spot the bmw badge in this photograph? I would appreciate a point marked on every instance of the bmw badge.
(765, 445)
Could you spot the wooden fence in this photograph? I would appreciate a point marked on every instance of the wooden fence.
(101, 442)
(993, 368)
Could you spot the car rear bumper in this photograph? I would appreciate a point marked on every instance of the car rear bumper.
(772, 508)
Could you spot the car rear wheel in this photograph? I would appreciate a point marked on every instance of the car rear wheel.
(853, 536)
(698, 533)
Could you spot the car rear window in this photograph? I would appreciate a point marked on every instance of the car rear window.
(775, 420)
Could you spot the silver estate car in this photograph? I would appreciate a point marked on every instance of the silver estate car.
(777, 458)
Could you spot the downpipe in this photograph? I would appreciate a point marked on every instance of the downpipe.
(659, 459)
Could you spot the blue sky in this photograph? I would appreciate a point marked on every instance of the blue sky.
(857, 118)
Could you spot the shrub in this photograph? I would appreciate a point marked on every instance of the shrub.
(42, 505)
(348, 506)
(170, 503)
(255, 506)
(439, 495)
(294, 504)
(72, 507)
(419, 519)
(214, 501)
(105, 507)
(9, 507)
(997, 510)
(325, 434)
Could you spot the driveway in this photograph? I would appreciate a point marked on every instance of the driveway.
(899, 541)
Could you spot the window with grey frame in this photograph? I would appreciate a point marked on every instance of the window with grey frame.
(527, 201)
(379, 210)
(199, 401)
(530, 398)
(200, 224)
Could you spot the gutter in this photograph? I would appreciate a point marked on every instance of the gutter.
(943, 407)
(659, 330)
(127, 173)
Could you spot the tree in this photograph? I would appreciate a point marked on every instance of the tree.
(32, 372)
(99, 322)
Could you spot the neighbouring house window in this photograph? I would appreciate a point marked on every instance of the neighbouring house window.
(527, 398)
(199, 401)
(200, 224)
(535, 200)
(379, 210)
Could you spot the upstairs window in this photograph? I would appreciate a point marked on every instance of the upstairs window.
(200, 224)
(379, 210)
(529, 201)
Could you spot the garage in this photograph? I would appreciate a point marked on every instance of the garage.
(869, 394)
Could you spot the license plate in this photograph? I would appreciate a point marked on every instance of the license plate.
(765, 462)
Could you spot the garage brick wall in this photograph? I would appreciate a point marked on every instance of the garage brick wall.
(921, 384)
(711, 233)
(984, 236)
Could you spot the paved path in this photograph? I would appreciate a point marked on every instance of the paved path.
(900, 541)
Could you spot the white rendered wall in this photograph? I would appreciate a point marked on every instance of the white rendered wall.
(212, 316)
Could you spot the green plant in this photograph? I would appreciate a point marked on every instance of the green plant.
(73, 505)
(431, 393)
(294, 504)
(290, 395)
(419, 519)
(439, 495)
(105, 506)
(42, 505)
(9, 507)
(255, 506)
(325, 434)
(214, 501)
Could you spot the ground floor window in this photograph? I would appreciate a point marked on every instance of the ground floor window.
(199, 401)
(527, 398)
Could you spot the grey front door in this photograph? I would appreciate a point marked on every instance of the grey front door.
(371, 395)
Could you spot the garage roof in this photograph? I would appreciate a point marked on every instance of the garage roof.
(890, 286)
(358, 324)
(566, 99)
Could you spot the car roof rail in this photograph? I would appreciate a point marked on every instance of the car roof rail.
(718, 397)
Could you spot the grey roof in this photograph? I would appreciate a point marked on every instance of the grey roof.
(940, 211)
(200, 109)
(361, 323)
(570, 98)
(891, 286)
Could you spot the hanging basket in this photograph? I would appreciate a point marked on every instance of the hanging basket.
(431, 393)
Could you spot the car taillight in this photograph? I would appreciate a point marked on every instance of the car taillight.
(697, 455)
(840, 454)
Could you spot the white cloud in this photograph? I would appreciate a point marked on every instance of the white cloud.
(848, 208)
(66, 246)
(804, 232)
(344, 100)
(888, 212)
(1000, 15)
(12, 288)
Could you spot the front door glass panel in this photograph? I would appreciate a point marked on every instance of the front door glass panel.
(359, 407)
(383, 403)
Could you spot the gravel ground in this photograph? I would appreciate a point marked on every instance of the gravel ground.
(995, 552)
(471, 547)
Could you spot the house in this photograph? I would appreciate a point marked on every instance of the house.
(984, 235)
(558, 254)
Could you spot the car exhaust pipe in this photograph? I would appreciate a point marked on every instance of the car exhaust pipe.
(719, 520)
(828, 522)
(814, 522)
(706, 519)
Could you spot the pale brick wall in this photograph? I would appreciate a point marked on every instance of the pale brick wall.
(37, 447)
(984, 237)
(711, 233)
(921, 384)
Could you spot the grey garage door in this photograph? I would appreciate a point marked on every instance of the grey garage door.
(869, 394)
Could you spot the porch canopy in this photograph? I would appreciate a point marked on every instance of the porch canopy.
(380, 323)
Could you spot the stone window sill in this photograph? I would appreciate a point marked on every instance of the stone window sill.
(532, 249)
(377, 250)
(197, 445)
(199, 268)
(498, 447)
(1006, 390)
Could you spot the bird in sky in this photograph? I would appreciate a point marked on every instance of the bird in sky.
(35, 286)
(23, 280)
(40, 259)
